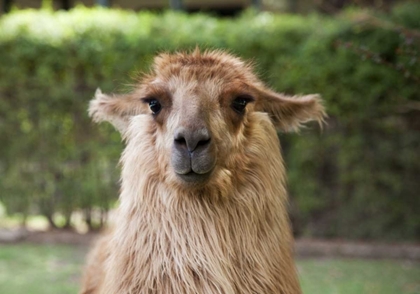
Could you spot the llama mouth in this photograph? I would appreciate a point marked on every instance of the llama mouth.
(194, 178)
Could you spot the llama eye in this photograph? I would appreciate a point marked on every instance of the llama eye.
(155, 106)
(240, 103)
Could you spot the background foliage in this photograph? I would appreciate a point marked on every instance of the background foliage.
(358, 178)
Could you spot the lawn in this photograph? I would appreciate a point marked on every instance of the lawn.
(358, 276)
(36, 269)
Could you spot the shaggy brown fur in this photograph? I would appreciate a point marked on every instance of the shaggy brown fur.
(228, 234)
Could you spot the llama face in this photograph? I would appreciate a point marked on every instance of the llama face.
(200, 108)
(198, 118)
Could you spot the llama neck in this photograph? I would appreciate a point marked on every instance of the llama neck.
(229, 242)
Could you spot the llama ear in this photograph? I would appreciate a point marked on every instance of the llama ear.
(288, 113)
(116, 109)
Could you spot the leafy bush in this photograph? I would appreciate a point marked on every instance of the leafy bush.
(357, 178)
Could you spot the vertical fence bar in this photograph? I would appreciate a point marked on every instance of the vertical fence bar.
(256, 4)
(104, 3)
(176, 4)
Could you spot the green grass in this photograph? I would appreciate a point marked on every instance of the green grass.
(348, 276)
(36, 269)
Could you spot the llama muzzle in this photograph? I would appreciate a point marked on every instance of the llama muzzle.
(193, 157)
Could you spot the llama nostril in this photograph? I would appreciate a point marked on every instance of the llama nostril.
(191, 138)
(179, 137)
(180, 141)
(203, 142)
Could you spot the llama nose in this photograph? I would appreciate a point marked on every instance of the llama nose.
(191, 138)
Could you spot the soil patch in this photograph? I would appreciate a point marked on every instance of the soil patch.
(352, 249)
(304, 248)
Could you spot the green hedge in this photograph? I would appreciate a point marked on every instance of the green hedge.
(358, 178)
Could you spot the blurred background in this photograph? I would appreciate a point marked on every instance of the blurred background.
(354, 186)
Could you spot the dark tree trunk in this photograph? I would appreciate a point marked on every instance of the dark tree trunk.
(88, 218)
(24, 219)
(104, 218)
(51, 221)
(67, 220)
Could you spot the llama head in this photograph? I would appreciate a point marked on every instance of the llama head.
(194, 116)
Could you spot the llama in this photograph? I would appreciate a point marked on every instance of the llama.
(203, 205)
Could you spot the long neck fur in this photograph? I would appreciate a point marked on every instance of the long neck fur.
(233, 237)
